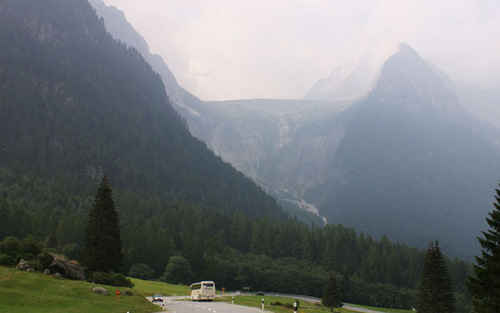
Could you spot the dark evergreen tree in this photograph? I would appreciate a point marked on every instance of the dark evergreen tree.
(103, 248)
(178, 271)
(331, 297)
(484, 286)
(142, 271)
(435, 294)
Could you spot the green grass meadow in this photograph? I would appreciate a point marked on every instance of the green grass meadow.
(148, 288)
(22, 292)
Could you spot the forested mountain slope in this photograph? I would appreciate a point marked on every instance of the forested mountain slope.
(117, 25)
(413, 164)
(76, 104)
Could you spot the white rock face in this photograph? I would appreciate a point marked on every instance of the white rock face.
(283, 145)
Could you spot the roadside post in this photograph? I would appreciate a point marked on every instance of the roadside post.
(262, 301)
(296, 306)
(232, 300)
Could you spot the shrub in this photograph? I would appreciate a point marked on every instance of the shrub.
(7, 260)
(111, 279)
(72, 251)
(142, 271)
(30, 248)
(44, 260)
(10, 246)
(121, 280)
(177, 271)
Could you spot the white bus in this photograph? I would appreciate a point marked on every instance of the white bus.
(204, 290)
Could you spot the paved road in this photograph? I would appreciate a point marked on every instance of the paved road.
(176, 306)
(318, 300)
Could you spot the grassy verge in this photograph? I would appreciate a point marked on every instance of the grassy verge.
(381, 309)
(148, 288)
(22, 292)
(305, 307)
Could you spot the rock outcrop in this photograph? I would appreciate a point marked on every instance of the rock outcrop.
(68, 269)
(23, 265)
(100, 291)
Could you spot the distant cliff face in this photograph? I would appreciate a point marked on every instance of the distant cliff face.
(282, 144)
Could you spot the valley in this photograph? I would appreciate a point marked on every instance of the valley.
(371, 188)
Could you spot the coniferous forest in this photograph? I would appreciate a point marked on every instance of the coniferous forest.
(76, 105)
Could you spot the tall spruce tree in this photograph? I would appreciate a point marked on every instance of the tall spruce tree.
(484, 286)
(331, 296)
(103, 247)
(435, 294)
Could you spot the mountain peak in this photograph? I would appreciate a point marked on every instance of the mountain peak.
(411, 81)
(407, 49)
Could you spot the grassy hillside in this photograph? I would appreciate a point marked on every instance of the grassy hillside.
(148, 288)
(22, 292)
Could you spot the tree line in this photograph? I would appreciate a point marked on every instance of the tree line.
(232, 248)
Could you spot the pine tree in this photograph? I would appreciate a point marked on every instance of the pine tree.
(484, 286)
(435, 294)
(103, 248)
(331, 296)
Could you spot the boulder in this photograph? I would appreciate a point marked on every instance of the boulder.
(68, 269)
(23, 265)
(46, 271)
(100, 291)
(58, 275)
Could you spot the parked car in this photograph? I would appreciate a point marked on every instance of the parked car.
(157, 298)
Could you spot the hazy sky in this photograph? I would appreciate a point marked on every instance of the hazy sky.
(227, 49)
